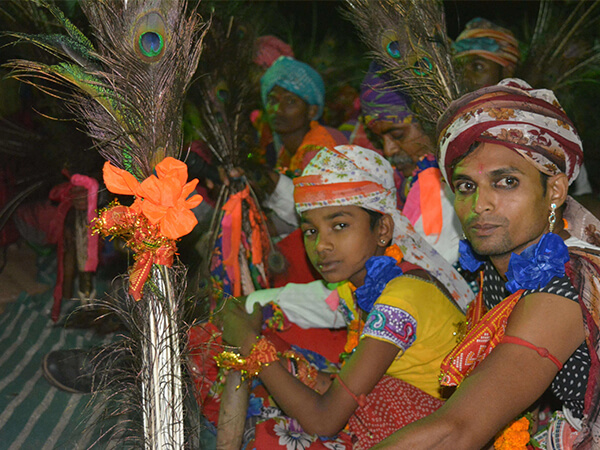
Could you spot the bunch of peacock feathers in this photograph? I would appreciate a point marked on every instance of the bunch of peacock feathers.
(225, 94)
(128, 90)
(408, 38)
(237, 245)
(563, 49)
(127, 86)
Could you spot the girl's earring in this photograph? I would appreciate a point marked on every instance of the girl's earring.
(383, 241)
(552, 217)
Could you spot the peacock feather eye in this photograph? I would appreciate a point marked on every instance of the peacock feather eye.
(150, 37)
(223, 95)
(222, 92)
(423, 67)
(151, 44)
(393, 49)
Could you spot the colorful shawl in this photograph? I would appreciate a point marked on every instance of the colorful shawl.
(352, 175)
(317, 138)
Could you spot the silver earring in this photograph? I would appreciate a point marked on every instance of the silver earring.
(383, 241)
(552, 217)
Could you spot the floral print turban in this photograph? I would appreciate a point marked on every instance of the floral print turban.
(511, 113)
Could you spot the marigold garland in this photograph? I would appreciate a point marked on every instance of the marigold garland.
(514, 437)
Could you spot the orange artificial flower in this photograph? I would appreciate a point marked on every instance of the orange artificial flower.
(163, 198)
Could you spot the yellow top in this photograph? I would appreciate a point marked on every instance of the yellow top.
(414, 315)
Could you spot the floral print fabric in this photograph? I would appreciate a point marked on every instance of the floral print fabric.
(529, 121)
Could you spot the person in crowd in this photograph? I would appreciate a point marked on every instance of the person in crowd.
(293, 95)
(485, 54)
(423, 196)
(509, 152)
(400, 304)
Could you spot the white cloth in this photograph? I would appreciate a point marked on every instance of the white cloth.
(445, 243)
(281, 201)
(581, 185)
(572, 241)
(303, 304)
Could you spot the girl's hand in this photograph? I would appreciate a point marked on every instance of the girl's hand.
(240, 329)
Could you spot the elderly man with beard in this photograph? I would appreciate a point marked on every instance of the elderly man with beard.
(423, 197)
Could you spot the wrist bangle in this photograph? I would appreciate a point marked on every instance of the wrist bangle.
(262, 354)
(304, 371)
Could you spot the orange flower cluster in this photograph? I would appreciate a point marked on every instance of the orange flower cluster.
(163, 199)
(514, 437)
(159, 215)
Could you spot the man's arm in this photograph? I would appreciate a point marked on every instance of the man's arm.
(506, 383)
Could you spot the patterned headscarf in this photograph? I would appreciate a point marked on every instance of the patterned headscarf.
(528, 121)
(486, 39)
(355, 176)
(298, 78)
(380, 102)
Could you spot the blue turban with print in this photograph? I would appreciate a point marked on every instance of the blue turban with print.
(298, 78)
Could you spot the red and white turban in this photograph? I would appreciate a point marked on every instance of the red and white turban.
(528, 121)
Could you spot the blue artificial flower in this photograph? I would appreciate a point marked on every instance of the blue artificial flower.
(380, 271)
(537, 264)
(469, 260)
(255, 405)
(424, 163)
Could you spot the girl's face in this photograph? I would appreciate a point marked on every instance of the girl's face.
(339, 241)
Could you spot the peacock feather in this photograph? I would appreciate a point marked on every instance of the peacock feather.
(408, 38)
(126, 85)
(563, 48)
(128, 88)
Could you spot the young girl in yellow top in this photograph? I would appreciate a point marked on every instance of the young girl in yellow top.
(400, 303)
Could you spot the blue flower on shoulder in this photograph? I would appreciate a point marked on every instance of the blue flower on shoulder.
(537, 264)
(380, 271)
(468, 259)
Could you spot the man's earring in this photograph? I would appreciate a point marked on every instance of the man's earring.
(552, 217)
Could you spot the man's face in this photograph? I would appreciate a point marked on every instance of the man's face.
(287, 112)
(478, 72)
(403, 143)
(500, 201)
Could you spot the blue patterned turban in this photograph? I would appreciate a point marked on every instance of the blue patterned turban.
(298, 78)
